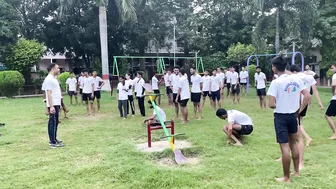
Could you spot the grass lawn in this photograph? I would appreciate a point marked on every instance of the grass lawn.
(101, 152)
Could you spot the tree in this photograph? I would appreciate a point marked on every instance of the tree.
(23, 55)
(238, 53)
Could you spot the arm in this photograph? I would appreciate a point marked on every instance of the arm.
(92, 90)
(271, 102)
(201, 86)
(333, 86)
(272, 94)
(103, 83)
(67, 88)
(306, 99)
(178, 93)
(149, 118)
(52, 109)
(317, 95)
(229, 133)
(210, 87)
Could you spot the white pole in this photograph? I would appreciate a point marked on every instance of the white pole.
(174, 45)
(293, 47)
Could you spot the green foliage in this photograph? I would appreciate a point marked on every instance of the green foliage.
(10, 83)
(62, 79)
(97, 66)
(23, 55)
(330, 74)
(239, 52)
(42, 74)
(251, 71)
(214, 61)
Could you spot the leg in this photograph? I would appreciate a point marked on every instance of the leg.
(92, 107)
(204, 98)
(260, 102)
(57, 111)
(285, 162)
(263, 101)
(176, 110)
(76, 98)
(125, 102)
(293, 143)
(132, 105)
(300, 147)
(332, 126)
(128, 101)
(170, 98)
(98, 104)
(159, 99)
(233, 98)
(142, 106)
(87, 107)
(71, 99)
(219, 104)
(195, 109)
(238, 98)
(305, 134)
(51, 128)
(120, 108)
(199, 111)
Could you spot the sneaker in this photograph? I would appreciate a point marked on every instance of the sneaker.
(57, 145)
(59, 141)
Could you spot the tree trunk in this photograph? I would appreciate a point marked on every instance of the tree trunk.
(104, 47)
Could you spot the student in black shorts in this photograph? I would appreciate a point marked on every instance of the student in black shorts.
(196, 89)
(215, 88)
(184, 95)
(331, 110)
(206, 87)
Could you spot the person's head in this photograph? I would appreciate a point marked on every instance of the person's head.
(225, 70)
(182, 72)
(233, 69)
(258, 69)
(156, 74)
(139, 74)
(168, 72)
(121, 79)
(214, 72)
(128, 76)
(206, 73)
(221, 113)
(82, 73)
(333, 68)
(85, 72)
(219, 70)
(72, 74)
(278, 64)
(54, 69)
(176, 70)
(192, 70)
(307, 67)
(94, 74)
(294, 68)
(243, 68)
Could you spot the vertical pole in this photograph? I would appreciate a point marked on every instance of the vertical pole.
(196, 62)
(202, 65)
(174, 44)
(277, 35)
(293, 47)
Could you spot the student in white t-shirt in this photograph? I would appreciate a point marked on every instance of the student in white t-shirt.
(122, 97)
(215, 87)
(235, 88)
(221, 75)
(260, 83)
(331, 110)
(239, 124)
(53, 102)
(175, 77)
(71, 87)
(228, 81)
(183, 93)
(80, 80)
(155, 86)
(196, 91)
(98, 84)
(284, 96)
(140, 93)
(154, 120)
(130, 102)
(206, 79)
(87, 84)
(167, 79)
(243, 75)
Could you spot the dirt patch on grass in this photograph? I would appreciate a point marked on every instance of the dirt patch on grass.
(168, 162)
(160, 146)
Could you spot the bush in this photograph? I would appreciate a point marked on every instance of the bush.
(251, 71)
(10, 83)
(62, 79)
(329, 74)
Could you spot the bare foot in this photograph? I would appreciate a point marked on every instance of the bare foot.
(279, 159)
(238, 144)
(295, 174)
(308, 141)
(283, 179)
(194, 117)
(333, 137)
(199, 118)
(185, 122)
(301, 167)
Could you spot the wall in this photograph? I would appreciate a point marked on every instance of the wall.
(63, 64)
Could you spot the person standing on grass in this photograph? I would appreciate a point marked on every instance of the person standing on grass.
(196, 89)
(98, 84)
(80, 81)
(235, 89)
(215, 87)
(228, 82)
(140, 93)
(53, 101)
(243, 75)
(174, 87)
(167, 80)
(331, 110)
(183, 93)
(129, 82)
(260, 83)
(221, 75)
(122, 97)
(155, 87)
(71, 87)
(88, 92)
(239, 124)
(206, 79)
(284, 96)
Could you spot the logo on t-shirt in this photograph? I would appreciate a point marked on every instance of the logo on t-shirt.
(291, 87)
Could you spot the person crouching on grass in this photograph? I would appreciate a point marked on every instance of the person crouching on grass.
(239, 124)
(154, 120)
(122, 97)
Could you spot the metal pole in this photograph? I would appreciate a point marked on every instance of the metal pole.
(293, 47)
(196, 62)
(174, 45)
(277, 35)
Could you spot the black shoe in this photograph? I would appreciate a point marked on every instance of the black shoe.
(59, 141)
(57, 145)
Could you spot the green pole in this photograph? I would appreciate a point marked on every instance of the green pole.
(161, 121)
(117, 68)
(162, 65)
(201, 62)
(114, 64)
(158, 66)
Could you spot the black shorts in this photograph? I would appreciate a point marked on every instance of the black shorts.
(130, 98)
(285, 124)
(235, 90)
(311, 91)
(72, 93)
(174, 98)
(80, 91)
(215, 95)
(304, 111)
(86, 97)
(245, 130)
(196, 97)
(206, 93)
(228, 85)
(243, 84)
(331, 110)
(183, 103)
(97, 95)
(168, 90)
(261, 92)
(157, 91)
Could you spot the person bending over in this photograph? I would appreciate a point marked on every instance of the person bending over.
(153, 120)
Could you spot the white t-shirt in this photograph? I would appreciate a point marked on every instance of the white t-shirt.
(196, 81)
(228, 76)
(51, 83)
(334, 78)
(96, 81)
(260, 79)
(122, 91)
(237, 117)
(184, 85)
(222, 76)
(287, 92)
(206, 83)
(72, 82)
(243, 76)
(138, 86)
(155, 85)
(87, 85)
(276, 76)
(161, 112)
(175, 82)
(308, 80)
(130, 82)
(167, 79)
(215, 83)
(234, 78)
(80, 81)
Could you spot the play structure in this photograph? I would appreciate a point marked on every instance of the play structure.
(256, 56)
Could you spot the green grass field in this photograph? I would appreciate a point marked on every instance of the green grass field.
(101, 152)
